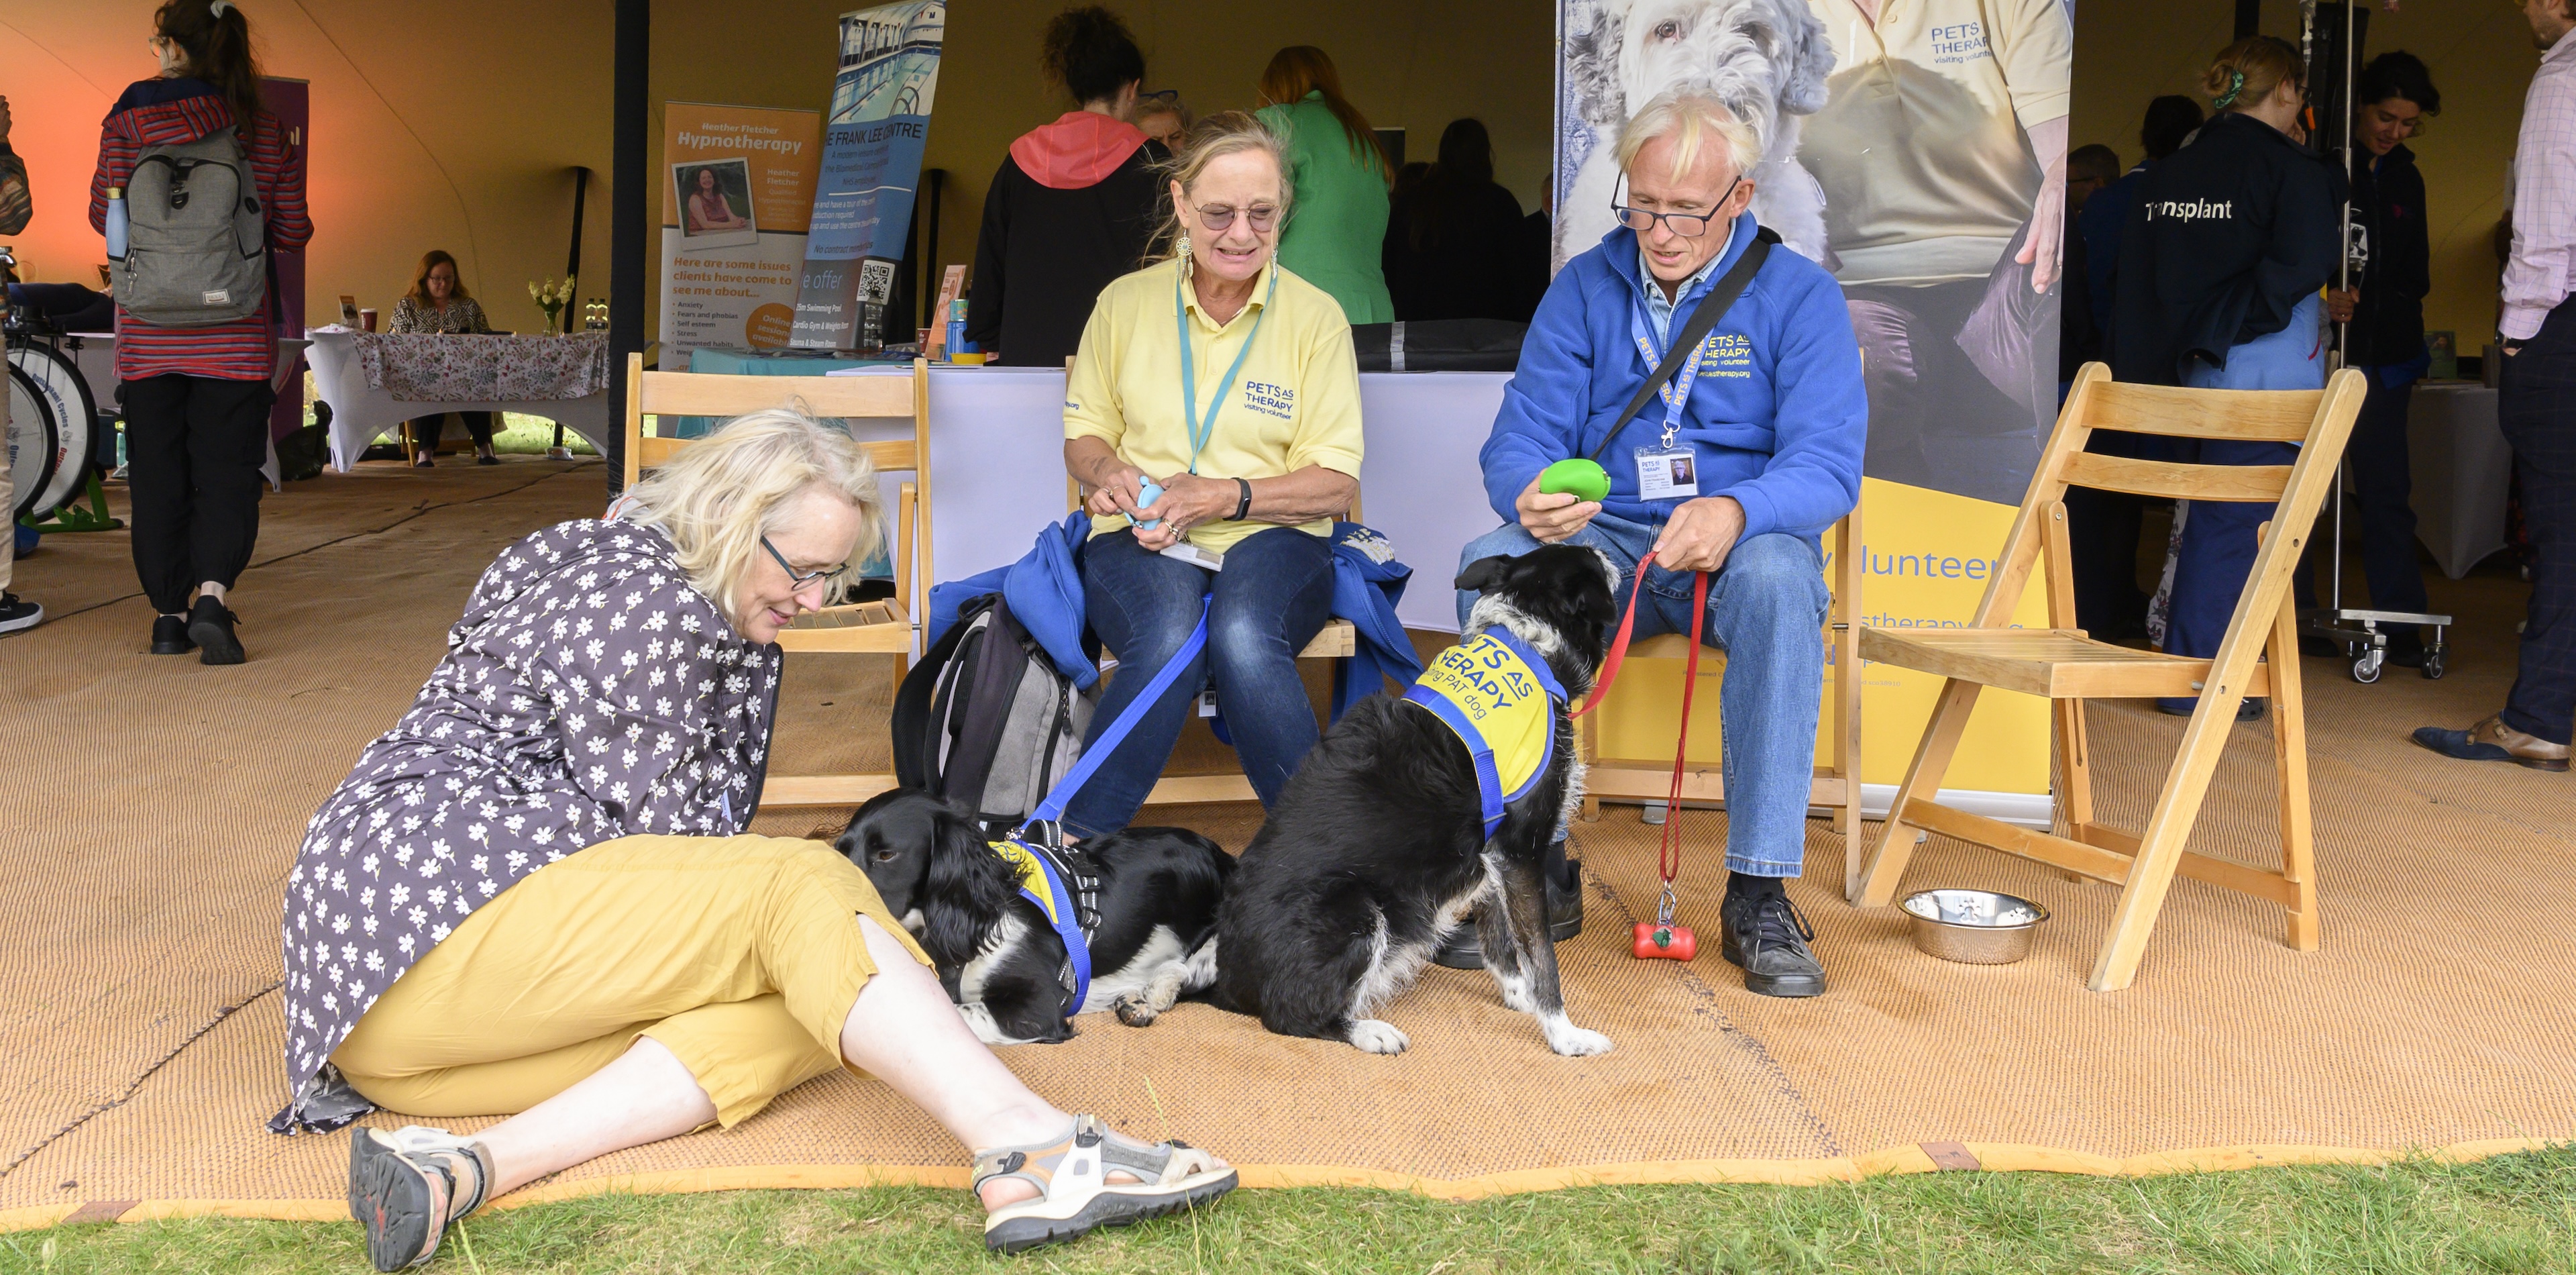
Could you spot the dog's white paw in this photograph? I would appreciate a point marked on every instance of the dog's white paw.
(1516, 992)
(1572, 1041)
(1378, 1037)
(1137, 1011)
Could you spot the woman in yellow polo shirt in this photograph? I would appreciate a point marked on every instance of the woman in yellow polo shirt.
(1227, 381)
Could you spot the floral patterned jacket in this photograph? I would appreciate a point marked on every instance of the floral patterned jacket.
(590, 692)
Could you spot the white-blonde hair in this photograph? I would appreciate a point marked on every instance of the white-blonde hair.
(1688, 118)
(716, 498)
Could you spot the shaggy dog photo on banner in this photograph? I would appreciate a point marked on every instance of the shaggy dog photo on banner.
(1766, 59)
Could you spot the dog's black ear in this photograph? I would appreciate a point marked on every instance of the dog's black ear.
(967, 888)
(1482, 574)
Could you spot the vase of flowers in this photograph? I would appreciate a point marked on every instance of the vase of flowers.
(551, 297)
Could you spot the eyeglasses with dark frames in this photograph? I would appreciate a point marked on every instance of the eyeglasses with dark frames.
(1220, 216)
(802, 578)
(1687, 225)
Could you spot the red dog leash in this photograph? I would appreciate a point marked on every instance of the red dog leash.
(1661, 938)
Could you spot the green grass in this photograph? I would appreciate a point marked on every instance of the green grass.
(2509, 1214)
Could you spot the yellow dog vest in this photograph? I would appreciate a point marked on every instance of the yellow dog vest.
(1497, 695)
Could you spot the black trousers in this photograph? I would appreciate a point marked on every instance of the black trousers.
(2537, 410)
(426, 429)
(193, 448)
(2375, 467)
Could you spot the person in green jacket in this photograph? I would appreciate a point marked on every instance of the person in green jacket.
(1336, 237)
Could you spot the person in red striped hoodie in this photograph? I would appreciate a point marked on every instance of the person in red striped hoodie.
(197, 398)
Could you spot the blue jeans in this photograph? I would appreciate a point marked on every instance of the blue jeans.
(1766, 610)
(2218, 546)
(1275, 594)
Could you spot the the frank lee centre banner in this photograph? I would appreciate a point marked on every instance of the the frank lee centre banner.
(872, 145)
(1904, 152)
(737, 188)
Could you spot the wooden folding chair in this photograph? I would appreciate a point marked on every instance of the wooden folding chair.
(884, 627)
(1837, 778)
(2062, 663)
(1337, 641)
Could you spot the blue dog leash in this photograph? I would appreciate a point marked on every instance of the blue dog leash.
(1046, 851)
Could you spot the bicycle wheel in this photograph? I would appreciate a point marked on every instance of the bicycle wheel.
(34, 444)
(67, 395)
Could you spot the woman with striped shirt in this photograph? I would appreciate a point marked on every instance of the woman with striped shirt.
(197, 398)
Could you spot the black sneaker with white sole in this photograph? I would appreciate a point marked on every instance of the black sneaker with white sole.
(1766, 935)
(17, 613)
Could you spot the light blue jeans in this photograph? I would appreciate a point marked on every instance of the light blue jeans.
(1766, 610)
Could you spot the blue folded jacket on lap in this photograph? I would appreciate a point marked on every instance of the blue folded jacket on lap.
(1044, 592)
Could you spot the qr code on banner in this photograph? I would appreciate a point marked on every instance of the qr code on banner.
(876, 280)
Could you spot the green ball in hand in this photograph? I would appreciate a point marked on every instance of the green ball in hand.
(1582, 479)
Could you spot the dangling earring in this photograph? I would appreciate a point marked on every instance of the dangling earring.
(1187, 261)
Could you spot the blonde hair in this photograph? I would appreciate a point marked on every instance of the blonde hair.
(1688, 118)
(1219, 135)
(2250, 71)
(716, 498)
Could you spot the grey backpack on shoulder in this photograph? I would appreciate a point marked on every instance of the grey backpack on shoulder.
(196, 239)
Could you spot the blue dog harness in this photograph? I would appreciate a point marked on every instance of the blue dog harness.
(1068, 894)
(1069, 897)
(1498, 696)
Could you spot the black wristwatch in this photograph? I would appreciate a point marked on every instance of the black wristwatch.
(1242, 507)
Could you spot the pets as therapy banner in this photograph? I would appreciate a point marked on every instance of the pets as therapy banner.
(1916, 149)
(737, 187)
(872, 144)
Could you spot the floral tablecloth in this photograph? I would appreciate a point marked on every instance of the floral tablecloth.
(425, 368)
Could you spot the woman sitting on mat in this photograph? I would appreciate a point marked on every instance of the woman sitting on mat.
(536, 893)
(1228, 381)
(438, 302)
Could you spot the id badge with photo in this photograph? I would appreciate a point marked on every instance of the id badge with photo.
(1667, 473)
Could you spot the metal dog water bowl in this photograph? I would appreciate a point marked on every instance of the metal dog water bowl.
(1975, 927)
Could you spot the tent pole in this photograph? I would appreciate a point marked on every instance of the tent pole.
(626, 212)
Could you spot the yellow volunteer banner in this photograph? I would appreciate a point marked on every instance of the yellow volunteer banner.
(1925, 559)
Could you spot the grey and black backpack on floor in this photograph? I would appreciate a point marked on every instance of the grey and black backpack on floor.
(197, 238)
(987, 719)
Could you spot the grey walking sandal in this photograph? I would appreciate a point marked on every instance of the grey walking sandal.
(405, 1187)
(1075, 1194)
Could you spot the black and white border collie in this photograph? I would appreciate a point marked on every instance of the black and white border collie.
(997, 955)
(1377, 848)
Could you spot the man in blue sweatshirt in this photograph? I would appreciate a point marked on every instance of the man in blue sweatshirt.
(1736, 469)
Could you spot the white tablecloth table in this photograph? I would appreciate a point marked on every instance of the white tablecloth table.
(2461, 467)
(360, 413)
(997, 468)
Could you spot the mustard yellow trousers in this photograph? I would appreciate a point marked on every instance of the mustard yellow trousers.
(741, 955)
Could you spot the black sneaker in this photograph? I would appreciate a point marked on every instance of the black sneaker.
(1464, 951)
(1768, 938)
(17, 613)
(170, 635)
(210, 626)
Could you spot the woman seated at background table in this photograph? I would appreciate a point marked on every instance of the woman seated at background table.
(438, 302)
(1229, 381)
(536, 894)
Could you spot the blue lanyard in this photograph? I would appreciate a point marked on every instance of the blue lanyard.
(1189, 370)
(1676, 394)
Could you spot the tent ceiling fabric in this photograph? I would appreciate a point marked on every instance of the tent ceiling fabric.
(449, 126)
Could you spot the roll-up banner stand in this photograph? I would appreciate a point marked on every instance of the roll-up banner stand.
(737, 189)
(1904, 153)
(872, 143)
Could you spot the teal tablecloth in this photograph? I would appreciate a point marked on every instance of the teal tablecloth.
(747, 362)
